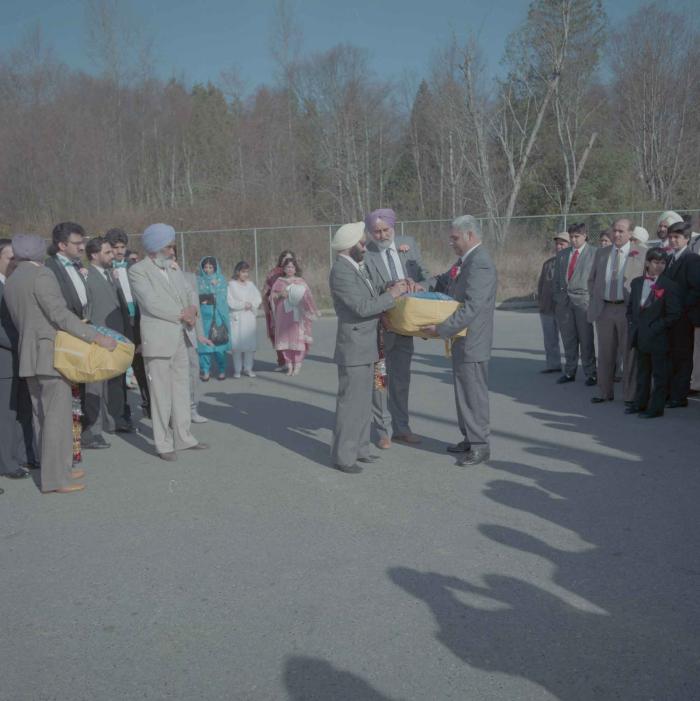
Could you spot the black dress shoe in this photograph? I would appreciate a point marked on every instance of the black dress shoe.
(548, 370)
(462, 447)
(599, 400)
(476, 455)
(566, 378)
(632, 409)
(125, 428)
(591, 381)
(676, 403)
(369, 459)
(349, 469)
(95, 444)
(19, 474)
(649, 414)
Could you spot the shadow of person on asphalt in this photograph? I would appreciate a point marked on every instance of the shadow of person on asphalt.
(292, 424)
(313, 679)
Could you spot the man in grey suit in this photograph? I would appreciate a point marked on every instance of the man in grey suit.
(545, 301)
(473, 282)
(358, 305)
(571, 270)
(13, 453)
(612, 271)
(39, 310)
(390, 258)
(104, 401)
(168, 317)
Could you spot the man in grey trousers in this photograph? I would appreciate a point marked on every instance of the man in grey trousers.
(358, 305)
(472, 280)
(571, 270)
(545, 301)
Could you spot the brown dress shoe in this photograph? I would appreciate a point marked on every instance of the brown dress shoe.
(384, 443)
(168, 457)
(410, 438)
(77, 474)
(66, 490)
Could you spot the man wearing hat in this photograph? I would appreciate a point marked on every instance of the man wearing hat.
(38, 310)
(545, 300)
(571, 270)
(666, 219)
(358, 304)
(640, 236)
(168, 315)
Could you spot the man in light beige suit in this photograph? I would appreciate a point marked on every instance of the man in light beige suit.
(609, 281)
(168, 316)
(38, 310)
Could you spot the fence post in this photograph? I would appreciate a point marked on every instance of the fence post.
(564, 223)
(182, 250)
(642, 222)
(255, 246)
(330, 244)
(401, 228)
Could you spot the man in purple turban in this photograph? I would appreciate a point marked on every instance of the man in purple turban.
(390, 258)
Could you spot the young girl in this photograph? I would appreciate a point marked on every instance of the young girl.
(243, 301)
(294, 311)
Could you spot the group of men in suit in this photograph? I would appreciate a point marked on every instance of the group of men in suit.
(641, 303)
(373, 268)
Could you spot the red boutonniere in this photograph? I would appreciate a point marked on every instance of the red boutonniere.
(659, 292)
(634, 253)
(454, 271)
(84, 273)
(404, 248)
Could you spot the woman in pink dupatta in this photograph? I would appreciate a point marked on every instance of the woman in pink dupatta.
(294, 310)
(272, 276)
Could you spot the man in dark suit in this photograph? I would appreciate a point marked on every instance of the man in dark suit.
(545, 301)
(654, 306)
(473, 283)
(65, 261)
(684, 269)
(358, 305)
(390, 258)
(571, 270)
(13, 453)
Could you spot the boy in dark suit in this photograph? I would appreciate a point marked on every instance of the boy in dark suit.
(653, 307)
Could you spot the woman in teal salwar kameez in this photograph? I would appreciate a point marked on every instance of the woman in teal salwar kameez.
(213, 305)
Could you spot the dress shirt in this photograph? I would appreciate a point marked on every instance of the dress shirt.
(678, 254)
(75, 277)
(3, 279)
(395, 257)
(646, 290)
(466, 255)
(123, 278)
(622, 259)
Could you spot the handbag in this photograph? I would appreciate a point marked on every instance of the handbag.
(218, 333)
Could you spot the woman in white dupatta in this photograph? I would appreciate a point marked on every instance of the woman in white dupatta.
(243, 301)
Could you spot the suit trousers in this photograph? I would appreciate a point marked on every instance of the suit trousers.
(96, 418)
(195, 382)
(472, 400)
(682, 337)
(611, 329)
(576, 333)
(119, 411)
(695, 379)
(169, 385)
(352, 414)
(13, 452)
(652, 380)
(390, 406)
(52, 417)
(550, 333)
(139, 367)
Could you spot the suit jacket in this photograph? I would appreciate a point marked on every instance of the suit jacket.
(161, 302)
(475, 286)
(545, 287)
(574, 291)
(411, 261)
(634, 267)
(67, 288)
(357, 307)
(685, 272)
(8, 340)
(106, 303)
(38, 310)
(649, 324)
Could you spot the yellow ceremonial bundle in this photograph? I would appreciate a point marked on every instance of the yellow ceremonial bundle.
(412, 313)
(79, 361)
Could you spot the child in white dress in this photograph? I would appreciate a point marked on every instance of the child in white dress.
(243, 301)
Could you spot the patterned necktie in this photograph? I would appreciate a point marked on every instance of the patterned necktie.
(365, 274)
(392, 266)
(614, 273)
(572, 265)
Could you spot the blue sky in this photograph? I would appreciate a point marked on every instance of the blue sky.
(198, 40)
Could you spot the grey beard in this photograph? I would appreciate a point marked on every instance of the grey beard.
(383, 245)
(162, 262)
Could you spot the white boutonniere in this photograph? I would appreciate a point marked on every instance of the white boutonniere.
(404, 248)
(84, 273)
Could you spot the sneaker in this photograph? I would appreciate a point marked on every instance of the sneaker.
(197, 418)
(250, 373)
(236, 375)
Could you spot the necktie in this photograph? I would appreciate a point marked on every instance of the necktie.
(392, 266)
(365, 274)
(614, 272)
(108, 277)
(572, 264)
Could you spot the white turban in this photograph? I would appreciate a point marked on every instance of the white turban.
(670, 217)
(348, 235)
(640, 234)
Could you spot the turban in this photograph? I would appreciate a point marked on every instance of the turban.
(640, 234)
(670, 217)
(386, 215)
(347, 236)
(157, 236)
(29, 247)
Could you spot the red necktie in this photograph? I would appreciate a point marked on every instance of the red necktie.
(572, 264)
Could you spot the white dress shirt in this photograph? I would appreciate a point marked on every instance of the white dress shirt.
(646, 290)
(123, 279)
(466, 255)
(3, 279)
(75, 277)
(622, 259)
(395, 257)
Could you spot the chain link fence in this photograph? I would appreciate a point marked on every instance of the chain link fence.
(519, 259)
